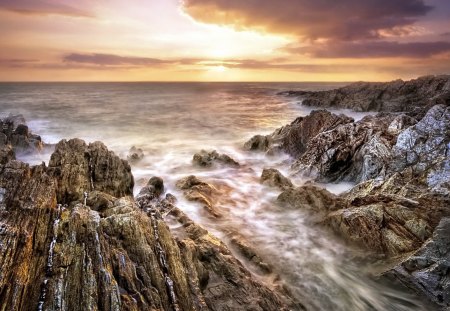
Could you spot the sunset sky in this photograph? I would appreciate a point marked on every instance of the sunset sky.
(223, 40)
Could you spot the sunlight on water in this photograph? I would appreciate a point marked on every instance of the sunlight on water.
(171, 122)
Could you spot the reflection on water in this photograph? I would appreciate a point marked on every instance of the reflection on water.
(171, 122)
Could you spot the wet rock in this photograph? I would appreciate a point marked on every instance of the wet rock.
(15, 132)
(135, 155)
(207, 159)
(311, 198)
(200, 191)
(427, 270)
(412, 96)
(249, 252)
(258, 143)
(356, 151)
(109, 253)
(81, 168)
(273, 178)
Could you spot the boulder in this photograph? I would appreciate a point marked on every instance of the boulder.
(258, 143)
(197, 190)
(273, 178)
(312, 198)
(207, 159)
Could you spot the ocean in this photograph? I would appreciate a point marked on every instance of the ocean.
(172, 121)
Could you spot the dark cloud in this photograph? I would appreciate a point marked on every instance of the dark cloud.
(311, 19)
(42, 7)
(113, 60)
(373, 49)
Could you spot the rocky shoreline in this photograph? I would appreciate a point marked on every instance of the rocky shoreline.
(73, 237)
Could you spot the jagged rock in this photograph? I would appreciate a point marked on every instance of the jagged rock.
(412, 96)
(354, 152)
(135, 155)
(15, 132)
(120, 257)
(293, 138)
(81, 168)
(199, 191)
(384, 226)
(207, 159)
(426, 147)
(427, 270)
(6, 154)
(273, 178)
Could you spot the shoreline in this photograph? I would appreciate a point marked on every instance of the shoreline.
(387, 214)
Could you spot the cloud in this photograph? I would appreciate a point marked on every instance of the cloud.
(42, 7)
(311, 19)
(113, 60)
(373, 49)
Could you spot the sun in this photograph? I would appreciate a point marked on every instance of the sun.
(219, 68)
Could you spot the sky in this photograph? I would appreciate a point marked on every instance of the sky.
(223, 40)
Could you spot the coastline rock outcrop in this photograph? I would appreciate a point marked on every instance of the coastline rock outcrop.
(61, 253)
(414, 96)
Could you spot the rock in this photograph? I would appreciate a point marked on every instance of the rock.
(412, 96)
(273, 178)
(249, 253)
(350, 152)
(427, 270)
(310, 198)
(257, 143)
(6, 154)
(202, 192)
(15, 132)
(293, 138)
(207, 159)
(425, 147)
(107, 253)
(135, 155)
(81, 168)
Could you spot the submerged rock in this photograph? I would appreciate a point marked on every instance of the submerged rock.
(135, 155)
(207, 159)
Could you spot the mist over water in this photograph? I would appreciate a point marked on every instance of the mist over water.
(171, 122)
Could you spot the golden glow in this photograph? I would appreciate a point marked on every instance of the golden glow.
(155, 40)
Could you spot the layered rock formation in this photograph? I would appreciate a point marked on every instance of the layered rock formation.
(399, 160)
(73, 238)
